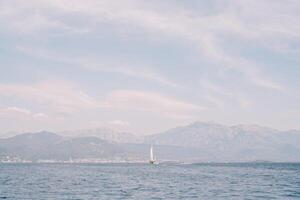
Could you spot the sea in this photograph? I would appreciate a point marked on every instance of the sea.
(145, 181)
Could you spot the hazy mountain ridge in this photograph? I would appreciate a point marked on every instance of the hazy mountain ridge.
(104, 134)
(201, 134)
(234, 143)
(50, 146)
(199, 141)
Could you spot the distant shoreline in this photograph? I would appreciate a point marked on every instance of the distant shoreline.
(161, 163)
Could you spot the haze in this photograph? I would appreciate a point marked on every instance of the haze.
(147, 66)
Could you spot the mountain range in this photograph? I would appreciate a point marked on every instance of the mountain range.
(197, 142)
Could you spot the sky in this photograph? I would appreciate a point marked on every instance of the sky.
(147, 66)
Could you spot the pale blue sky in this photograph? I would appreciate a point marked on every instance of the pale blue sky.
(146, 66)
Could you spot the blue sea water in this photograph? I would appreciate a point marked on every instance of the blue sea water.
(143, 181)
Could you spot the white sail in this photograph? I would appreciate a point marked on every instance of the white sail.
(151, 154)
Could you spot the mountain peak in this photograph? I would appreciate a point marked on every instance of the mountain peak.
(42, 136)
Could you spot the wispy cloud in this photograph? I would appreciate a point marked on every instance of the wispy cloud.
(141, 72)
(238, 55)
(220, 95)
(18, 110)
(60, 95)
(65, 97)
(121, 123)
(151, 102)
(117, 124)
(13, 111)
(206, 32)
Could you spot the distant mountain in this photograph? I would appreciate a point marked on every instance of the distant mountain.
(50, 146)
(47, 146)
(197, 142)
(104, 134)
(234, 143)
(212, 135)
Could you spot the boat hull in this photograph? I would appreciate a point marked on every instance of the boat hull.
(152, 162)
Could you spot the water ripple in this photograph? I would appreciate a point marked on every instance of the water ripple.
(143, 181)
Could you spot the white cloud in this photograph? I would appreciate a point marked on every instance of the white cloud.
(17, 112)
(115, 125)
(31, 17)
(267, 26)
(206, 32)
(151, 102)
(141, 71)
(59, 95)
(119, 123)
(258, 20)
(65, 97)
(40, 115)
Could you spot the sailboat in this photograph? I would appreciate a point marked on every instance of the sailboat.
(152, 158)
